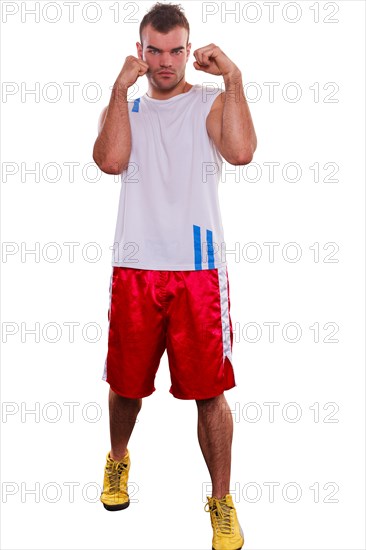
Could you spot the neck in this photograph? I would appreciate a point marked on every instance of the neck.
(181, 88)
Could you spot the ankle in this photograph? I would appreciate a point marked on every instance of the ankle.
(117, 457)
(219, 494)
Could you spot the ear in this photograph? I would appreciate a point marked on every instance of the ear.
(139, 50)
(188, 49)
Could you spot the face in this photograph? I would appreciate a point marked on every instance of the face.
(164, 52)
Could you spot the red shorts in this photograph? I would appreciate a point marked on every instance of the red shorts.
(185, 312)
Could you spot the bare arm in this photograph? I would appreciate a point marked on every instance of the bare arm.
(112, 147)
(237, 126)
(230, 124)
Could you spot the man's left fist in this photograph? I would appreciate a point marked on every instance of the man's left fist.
(212, 60)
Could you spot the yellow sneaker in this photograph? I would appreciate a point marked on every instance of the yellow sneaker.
(227, 533)
(115, 495)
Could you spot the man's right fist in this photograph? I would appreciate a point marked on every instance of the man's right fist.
(132, 69)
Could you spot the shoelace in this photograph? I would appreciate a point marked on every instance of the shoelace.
(221, 514)
(114, 471)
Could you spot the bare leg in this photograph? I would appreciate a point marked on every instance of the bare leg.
(123, 412)
(215, 434)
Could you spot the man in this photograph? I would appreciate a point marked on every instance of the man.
(169, 285)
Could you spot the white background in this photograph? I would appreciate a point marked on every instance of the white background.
(322, 292)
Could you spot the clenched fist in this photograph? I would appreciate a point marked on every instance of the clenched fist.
(132, 69)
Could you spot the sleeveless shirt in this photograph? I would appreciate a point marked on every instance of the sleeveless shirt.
(168, 214)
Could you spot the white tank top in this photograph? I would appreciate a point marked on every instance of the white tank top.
(169, 215)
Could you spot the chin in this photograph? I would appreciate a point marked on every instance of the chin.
(166, 85)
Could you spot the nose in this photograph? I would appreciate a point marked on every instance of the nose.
(165, 60)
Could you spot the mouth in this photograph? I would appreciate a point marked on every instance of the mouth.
(165, 73)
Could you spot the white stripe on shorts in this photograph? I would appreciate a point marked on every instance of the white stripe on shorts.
(104, 377)
(224, 301)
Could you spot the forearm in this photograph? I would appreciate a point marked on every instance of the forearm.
(112, 147)
(237, 133)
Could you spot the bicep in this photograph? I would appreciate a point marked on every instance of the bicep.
(214, 122)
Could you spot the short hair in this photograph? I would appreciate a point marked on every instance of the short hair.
(164, 17)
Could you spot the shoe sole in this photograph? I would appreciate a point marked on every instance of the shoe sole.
(242, 534)
(236, 549)
(116, 507)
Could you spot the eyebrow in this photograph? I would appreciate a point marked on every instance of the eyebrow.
(157, 49)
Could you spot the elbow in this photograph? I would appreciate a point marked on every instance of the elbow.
(109, 166)
(242, 161)
(112, 168)
(107, 163)
(244, 157)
